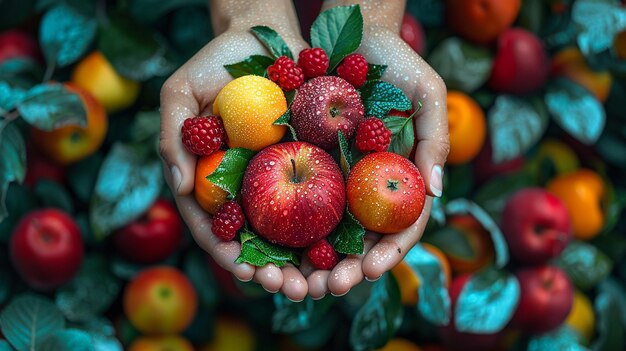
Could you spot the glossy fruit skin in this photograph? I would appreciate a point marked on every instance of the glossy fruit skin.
(208, 195)
(386, 192)
(353, 68)
(480, 242)
(571, 63)
(286, 73)
(412, 33)
(546, 297)
(203, 135)
(536, 226)
(231, 334)
(582, 192)
(160, 300)
(161, 343)
(521, 64)
(467, 127)
(323, 106)
(153, 237)
(294, 212)
(46, 248)
(481, 21)
(251, 128)
(71, 144)
(96, 75)
(227, 221)
(582, 317)
(16, 43)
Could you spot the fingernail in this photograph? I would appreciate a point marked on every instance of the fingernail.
(436, 180)
(296, 301)
(318, 298)
(339, 295)
(176, 177)
(242, 280)
(373, 280)
(270, 291)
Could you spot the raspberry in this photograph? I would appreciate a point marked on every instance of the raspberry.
(286, 74)
(314, 62)
(372, 135)
(322, 255)
(353, 68)
(203, 135)
(227, 221)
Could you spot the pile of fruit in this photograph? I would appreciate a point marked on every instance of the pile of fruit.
(525, 250)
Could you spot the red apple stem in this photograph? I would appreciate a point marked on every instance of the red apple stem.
(295, 175)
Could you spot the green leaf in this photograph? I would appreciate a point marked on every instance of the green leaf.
(284, 121)
(562, 339)
(290, 317)
(152, 10)
(102, 334)
(347, 238)
(259, 252)
(69, 339)
(135, 52)
(19, 201)
(379, 318)
(434, 302)
(195, 267)
(10, 97)
(229, 174)
(146, 125)
(576, 110)
(21, 72)
(487, 302)
(128, 183)
(28, 320)
(375, 72)
(53, 194)
(90, 293)
(584, 264)
(12, 162)
(5, 346)
(345, 157)
(51, 106)
(82, 176)
(255, 64)
(272, 41)
(609, 308)
(381, 97)
(452, 242)
(515, 125)
(338, 31)
(65, 35)
(402, 134)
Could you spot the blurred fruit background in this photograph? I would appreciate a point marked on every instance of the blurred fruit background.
(525, 250)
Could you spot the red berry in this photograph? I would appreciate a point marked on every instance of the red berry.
(353, 68)
(372, 135)
(322, 255)
(203, 135)
(314, 62)
(227, 221)
(286, 74)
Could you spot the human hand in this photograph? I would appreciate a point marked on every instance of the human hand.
(190, 91)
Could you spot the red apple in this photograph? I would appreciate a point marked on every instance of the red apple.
(46, 248)
(153, 237)
(536, 226)
(40, 167)
(546, 297)
(15, 43)
(293, 194)
(521, 64)
(324, 105)
(412, 33)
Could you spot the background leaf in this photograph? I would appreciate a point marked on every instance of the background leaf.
(272, 41)
(195, 267)
(5, 346)
(21, 72)
(584, 264)
(229, 174)
(381, 97)
(69, 339)
(452, 242)
(53, 194)
(338, 31)
(597, 23)
(152, 10)
(51, 106)
(65, 35)
(290, 317)
(609, 308)
(12, 162)
(562, 339)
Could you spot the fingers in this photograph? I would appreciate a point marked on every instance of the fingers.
(295, 286)
(390, 250)
(270, 277)
(318, 284)
(349, 272)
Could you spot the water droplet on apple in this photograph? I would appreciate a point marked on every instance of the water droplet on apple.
(255, 184)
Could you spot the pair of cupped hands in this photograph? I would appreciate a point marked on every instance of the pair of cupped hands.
(191, 90)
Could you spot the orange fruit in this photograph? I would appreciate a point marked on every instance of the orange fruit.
(161, 343)
(571, 63)
(231, 334)
(582, 192)
(409, 282)
(399, 344)
(249, 106)
(71, 144)
(96, 75)
(209, 196)
(480, 242)
(559, 154)
(481, 21)
(467, 127)
(581, 317)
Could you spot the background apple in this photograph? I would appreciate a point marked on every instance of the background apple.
(293, 194)
(412, 32)
(152, 237)
(161, 343)
(16, 43)
(324, 105)
(46, 248)
(536, 226)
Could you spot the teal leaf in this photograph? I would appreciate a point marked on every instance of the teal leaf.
(272, 41)
(51, 106)
(284, 119)
(610, 310)
(584, 264)
(515, 125)
(452, 242)
(434, 302)
(463, 66)
(21, 72)
(345, 156)
(487, 302)
(381, 97)
(127, 185)
(576, 110)
(9, 97)
(28, 320)
(91, 292)
(52, 194)
(69, 339)
(597, 23)
(380, 316)
(229, 174)
(195, 267)
(290, 317)
(65, 35)
(562, 339)
(255, 64)
(347, 238)
(82, 176)
(375, 72)
(12, 162)
(5, 346)
(259, 252)
(146, 125)
(430, 13)
(402, 134)
(151, 10)
(338, 31)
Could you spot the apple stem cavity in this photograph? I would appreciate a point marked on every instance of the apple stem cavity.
(334, 111)
(295, 175)
(392, 184)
